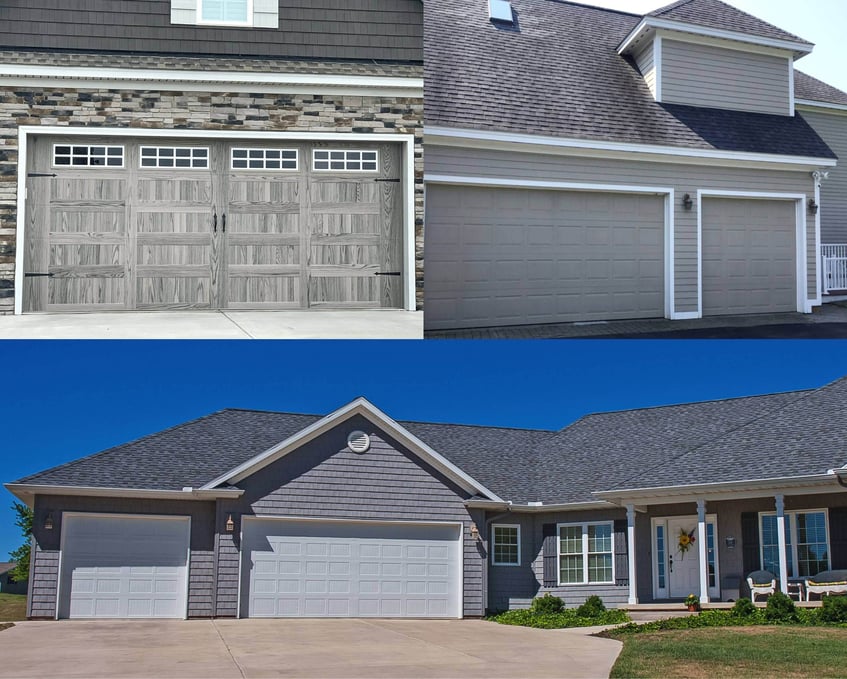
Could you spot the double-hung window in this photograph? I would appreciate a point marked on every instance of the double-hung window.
(506, 545)
(586, 553)
(806, 542)
(225, 12)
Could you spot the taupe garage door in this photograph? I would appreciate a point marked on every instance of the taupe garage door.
(518, 256)
(191, 224)
(350, 569)
(749, 256)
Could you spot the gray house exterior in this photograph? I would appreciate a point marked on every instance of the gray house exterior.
(261, 514)
(184, 154)
(7, 585)
(667, 165)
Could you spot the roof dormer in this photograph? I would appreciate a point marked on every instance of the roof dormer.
(709, 54)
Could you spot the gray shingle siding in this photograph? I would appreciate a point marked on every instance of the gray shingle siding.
(324, 479)
(382, 30)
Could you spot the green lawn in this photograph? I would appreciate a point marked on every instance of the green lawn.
(734, 652)
(12, 607)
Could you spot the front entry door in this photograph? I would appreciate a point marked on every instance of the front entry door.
(683, 567)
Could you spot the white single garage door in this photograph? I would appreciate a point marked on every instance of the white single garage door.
(500, 256)
(749, 256)
(124, 567)
(350, 569)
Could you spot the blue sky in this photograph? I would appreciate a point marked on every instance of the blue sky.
(71, 399)
(821, 22)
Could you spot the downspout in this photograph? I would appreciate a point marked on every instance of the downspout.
(487, 536)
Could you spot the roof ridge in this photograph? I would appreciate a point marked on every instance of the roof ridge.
(65, 465)
(667, 8)
(806, 394)
(611, 10)
(270, 412)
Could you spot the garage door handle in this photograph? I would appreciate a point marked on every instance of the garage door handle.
(37, 275)
(388, 273)
(224, 222)
(215, 222)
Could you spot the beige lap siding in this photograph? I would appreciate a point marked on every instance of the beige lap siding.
(832, 127)
(237, 111)
(683, 178)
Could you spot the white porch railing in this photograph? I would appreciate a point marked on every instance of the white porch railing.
(834, 262)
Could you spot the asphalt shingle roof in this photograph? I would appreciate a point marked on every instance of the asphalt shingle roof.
(717, 14)
(557, 73)
(807, 87)
(775, 435)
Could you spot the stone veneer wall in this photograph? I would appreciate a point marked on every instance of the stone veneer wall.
(99, 108)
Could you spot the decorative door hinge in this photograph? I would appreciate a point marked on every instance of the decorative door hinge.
(388, 273)
(393, 181)
(40, 174)
(37, 275)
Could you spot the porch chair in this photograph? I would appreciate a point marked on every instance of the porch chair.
(827, 582)
(761, 582)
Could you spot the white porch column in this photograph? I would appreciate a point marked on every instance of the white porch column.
(780, 533)
(630, 536)
(702, 541)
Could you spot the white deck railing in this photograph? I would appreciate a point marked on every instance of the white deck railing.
(834, 261)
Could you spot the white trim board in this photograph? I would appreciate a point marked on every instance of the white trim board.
(808, 103)
(25, 492)
(669, 212)
(363, 407)
(530, 143)
(408, 151)
(26, 75)
(803, 304)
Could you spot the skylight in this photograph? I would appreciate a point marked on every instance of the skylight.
(500, 10)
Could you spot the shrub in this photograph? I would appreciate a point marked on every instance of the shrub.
(780, 608)
(567, 618)
(592, 608)
(834, 609)
(743, 608)
(547, 604)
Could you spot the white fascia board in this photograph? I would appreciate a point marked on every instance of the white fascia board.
(463, 180)
(652, 23)
(363, 407)
(166, 79)
(751, 488)
(808, 103)
(26, 491)
(530, 143)
(540, 508)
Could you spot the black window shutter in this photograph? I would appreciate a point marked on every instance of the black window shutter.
(550, 553)
(621, 554)
(750, 557)
(838, 537)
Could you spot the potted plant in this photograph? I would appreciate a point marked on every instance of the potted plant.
(692, 601)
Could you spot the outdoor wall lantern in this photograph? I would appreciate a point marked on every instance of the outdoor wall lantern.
(474, 531)
(48, 521)
(730, 542)
(687, 203)
(230, 524)
(813, 207)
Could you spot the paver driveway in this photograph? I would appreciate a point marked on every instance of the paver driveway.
(300, 648)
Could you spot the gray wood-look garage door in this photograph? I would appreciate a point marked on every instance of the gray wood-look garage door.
(518, 256)
(122, 224)
(749, 256)
(341, 569)
(124, 567)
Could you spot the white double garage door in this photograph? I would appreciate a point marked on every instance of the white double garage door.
(514, 256)
(137, 567)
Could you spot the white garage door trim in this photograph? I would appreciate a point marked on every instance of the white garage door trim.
(804, 305)
(460, 568)
(667, 192)
(408, 162)
(66, 516)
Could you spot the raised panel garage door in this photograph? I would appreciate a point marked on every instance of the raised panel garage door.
(500, 256)
(340, 569)
(154, 224)
(124, 567)
(749, 256)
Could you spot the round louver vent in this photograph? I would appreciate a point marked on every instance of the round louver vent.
(359, 441)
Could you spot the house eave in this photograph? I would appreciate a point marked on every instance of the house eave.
(751, 488)
(810, 103)
(536, 508)
(548, 145)
(649, 24)
(26, 492)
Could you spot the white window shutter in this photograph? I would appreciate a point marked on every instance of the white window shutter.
(183, 11)
(266, 13)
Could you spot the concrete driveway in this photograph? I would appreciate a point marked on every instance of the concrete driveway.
(293, 324)
(300, 648)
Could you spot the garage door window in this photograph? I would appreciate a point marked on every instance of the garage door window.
(88, 156)
(264, 159)
(174, 156)
(345, 161)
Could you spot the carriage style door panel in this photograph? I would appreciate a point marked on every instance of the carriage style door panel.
(117, 223)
